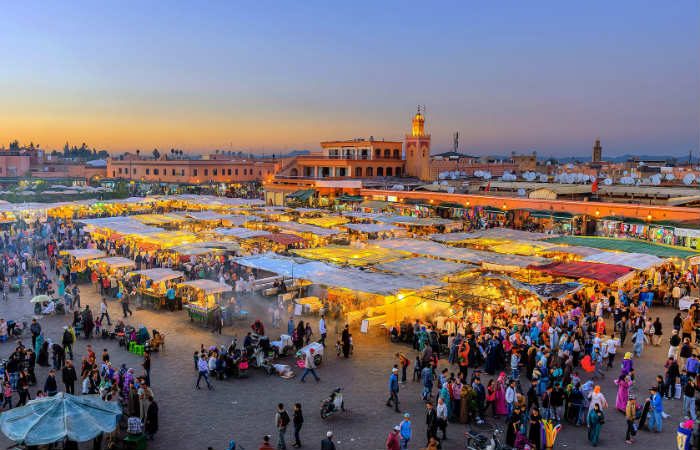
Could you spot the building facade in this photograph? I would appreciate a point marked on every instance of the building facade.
(191, 171)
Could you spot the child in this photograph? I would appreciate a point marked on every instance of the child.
(7, 394)
(417, 370)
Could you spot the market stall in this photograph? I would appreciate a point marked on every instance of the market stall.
(153, 284)
(202, 298)
(351, 256)
(638, 261)
(604, 273)
(78, 259)
(112, 265)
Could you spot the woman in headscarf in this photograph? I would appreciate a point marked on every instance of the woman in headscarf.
(595, 422)
(639, 340)
(624, 382)
(43, 358)
(534, 434)
(499, 402)
(597, 398)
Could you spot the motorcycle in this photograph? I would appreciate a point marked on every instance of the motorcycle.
(476, 441)
(332, 404)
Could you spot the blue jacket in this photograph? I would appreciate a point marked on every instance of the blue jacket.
(394, 383)
(657, 403)
(405, 429)
(427, 377)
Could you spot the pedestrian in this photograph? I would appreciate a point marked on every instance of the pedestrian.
(203, 371)
(151, 422)
(50, 385)
(404, 362)
(322, 330)
(35, 329)
(297, 421)
(406, 432)
(265, 443)
(441, 413)
(281, 422)
(658, 332)
(394, 389)
(689, 399)
(327, 443)
(656, 410)
(125, 303)
(7, 395)
(427, 379)
(69, 377)
(310, 366)
(392, 441)
(346, 338)
(431, 423)
(146, 364)
(630, 416)
(104, 312)
(596, 419)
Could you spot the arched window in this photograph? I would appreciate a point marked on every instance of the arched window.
(294, 172)
(389, 172)
(377, 153)
(369, 171)
(380, 171)
(358, 171)
(397, 154)
(397, 172)
(387, 153)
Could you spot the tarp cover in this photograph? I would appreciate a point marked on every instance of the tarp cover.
(500, 233)
(639, 261)
(605, 273)
(83, 254)
(371, 227)
(626, 245)
(421, 266)
(208, 286)
(240, 233)
(50, 419)
(295, 227)
(158, 275)
(117, 262)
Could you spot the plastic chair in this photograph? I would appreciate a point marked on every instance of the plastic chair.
(132, 345)
(135, 442)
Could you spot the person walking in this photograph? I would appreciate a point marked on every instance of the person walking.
(69, 377)
(392, 441)
(406, 432)
(203, 371)
(630, 416)
(427, 379)
(310, 366)
(656, 410)
(125, 303)
(322, 330)
(689, 399)
(431, 423)
(281, 422)
(394, 389)
(658, 332)
(327, 443)
(345, 339)
(104, 312)
(441, 413)
(146, 364)
(151, 422)
(297, 421)
(50, 385)
(596, 419)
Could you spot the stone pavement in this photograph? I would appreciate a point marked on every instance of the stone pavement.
(244, 409)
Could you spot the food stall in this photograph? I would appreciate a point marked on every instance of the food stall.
(153, 284)
(111, 265)
(78, 258)
(202, 298)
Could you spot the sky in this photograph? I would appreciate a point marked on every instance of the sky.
(549, 76)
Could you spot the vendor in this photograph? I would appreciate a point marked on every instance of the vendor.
(170, 296)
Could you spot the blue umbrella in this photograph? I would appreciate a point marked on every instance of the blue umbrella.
(51, 419)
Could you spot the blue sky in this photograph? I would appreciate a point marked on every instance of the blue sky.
(548, 76)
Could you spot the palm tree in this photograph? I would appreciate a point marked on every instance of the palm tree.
(138, 153)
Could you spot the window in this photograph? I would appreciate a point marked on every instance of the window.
(358, 171)
(120, 170)
(206, 172)
(134, 171)
(380, 171)
(236, 172)
(387, 153)
(194, 172)
(397, 154)
(397, 172)
(182, 172)
(377, 153)
(245, 171)
(173, 172)
(229, 172)
(156, 171)
(215, 171)
(259, 173)
(369, 171)
(114, 173)
(389, 172)
(148, 171)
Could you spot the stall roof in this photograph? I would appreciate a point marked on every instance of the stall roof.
(169, 239)
(421, 266)
(625, 245)
(240, 219)
(605, 273)
(208, 286)
(374, 204)
(84, 254)
(120, 225)
(284, 238)
(326, 221)
(361, 215)
(117, 262)
(320, 273)
(639, 261)
(240, 233)
(495, 233)
(492, 260)
(371, 227)
(416, 221)
(159, 274)
(201, 215)
(159, 219)
(346, 255)
(296, 227)
(573, 250)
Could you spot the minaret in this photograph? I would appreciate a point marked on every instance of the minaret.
(597, 152)
(418, 149)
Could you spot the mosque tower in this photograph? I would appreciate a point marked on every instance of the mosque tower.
(418, 148)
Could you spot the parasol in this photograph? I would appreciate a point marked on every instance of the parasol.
(50, 419)
(40, 299)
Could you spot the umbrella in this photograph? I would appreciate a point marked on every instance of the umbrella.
(50, 419)
(40, 299)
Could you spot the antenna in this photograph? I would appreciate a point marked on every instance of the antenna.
(455, 141)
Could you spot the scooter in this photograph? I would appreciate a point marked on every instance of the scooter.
(476, 441)
(332, 404)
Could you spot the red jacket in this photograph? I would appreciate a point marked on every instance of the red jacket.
(392, 441)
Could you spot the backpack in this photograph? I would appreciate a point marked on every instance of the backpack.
(284, 419)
